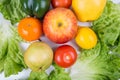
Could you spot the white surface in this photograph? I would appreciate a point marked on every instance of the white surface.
(25, 73)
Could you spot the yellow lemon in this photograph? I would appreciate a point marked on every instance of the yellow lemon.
(86, 38)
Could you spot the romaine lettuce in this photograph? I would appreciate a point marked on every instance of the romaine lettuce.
(59, 73)
(96, 64)
(42, 75)
(11, 57)
(12, 10)
(107, 26)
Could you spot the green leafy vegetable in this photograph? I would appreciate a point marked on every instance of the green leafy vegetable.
(12, 10)
(103, 61)
(96, 64)
(11, 58)
(59, 74)
(107, 26)
(38, 75)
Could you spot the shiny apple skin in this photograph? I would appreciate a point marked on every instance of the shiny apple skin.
(60, 25)
(61, 3)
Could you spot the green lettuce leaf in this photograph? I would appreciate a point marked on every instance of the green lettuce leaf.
(2, 64)
(116, 49)
(11, 57)
(59, 74)
(96, 64)
(42, 75)
(12, 10)
(11, 67)
(107, 26)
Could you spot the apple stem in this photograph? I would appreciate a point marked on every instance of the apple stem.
(40, 68)
(59, 24)
(39, 39)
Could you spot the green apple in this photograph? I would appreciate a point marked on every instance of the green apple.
(38, 56)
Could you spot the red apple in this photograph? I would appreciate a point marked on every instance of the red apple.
(60, 25)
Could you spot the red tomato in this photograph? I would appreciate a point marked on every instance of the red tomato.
(65, 56)
(61, 3)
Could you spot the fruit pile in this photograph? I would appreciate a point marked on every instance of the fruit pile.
(60, 25)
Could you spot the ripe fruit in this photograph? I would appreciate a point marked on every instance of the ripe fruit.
(88, 10)
(61, 3)
(65, 56)
(86, 38)
(38, 56)
(60, 25)
(30, 29)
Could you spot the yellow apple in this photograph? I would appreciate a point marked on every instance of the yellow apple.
(38, 56)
